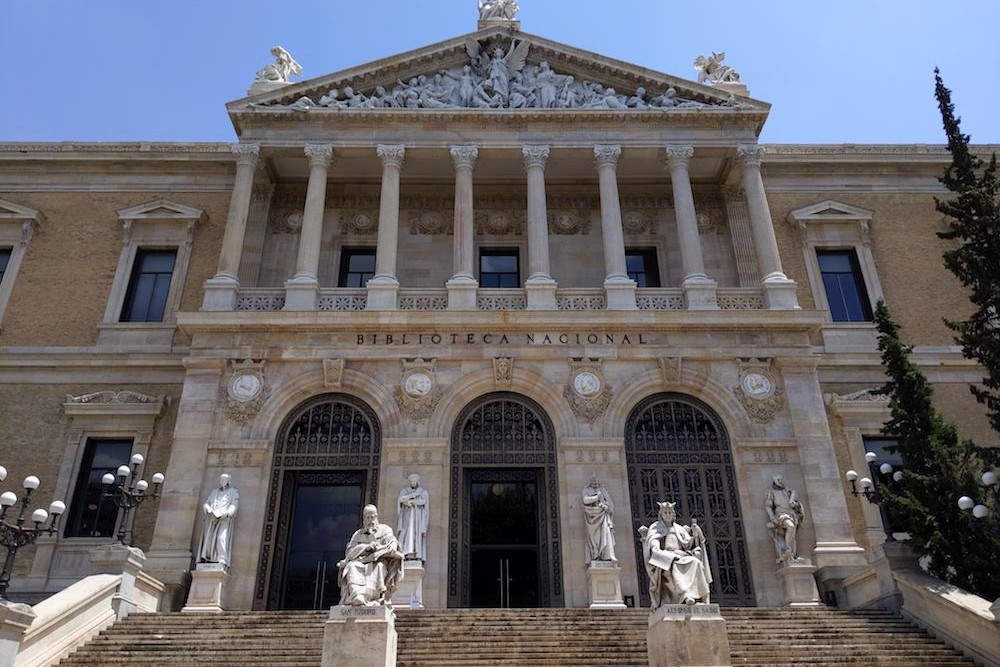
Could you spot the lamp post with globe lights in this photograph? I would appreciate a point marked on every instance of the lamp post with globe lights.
(128, 490)
(14, 535)
(871, 487)
(991, 493)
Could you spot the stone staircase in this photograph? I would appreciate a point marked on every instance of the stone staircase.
(818, 637)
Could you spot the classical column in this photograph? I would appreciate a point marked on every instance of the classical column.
(540, 286)
(619, 289)
(699, 289)
(779, 291)
(383, 289)
(462, 286)
(302, 291)
(222, 291)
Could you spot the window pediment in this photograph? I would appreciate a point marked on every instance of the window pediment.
(160, 220)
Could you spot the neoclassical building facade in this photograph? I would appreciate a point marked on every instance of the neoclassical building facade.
(500, 263)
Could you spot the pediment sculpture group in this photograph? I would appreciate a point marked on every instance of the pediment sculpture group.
(675, 556)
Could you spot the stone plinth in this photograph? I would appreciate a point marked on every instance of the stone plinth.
(15, 619)
(701, 294)
(462, 293)
(123, 560)
(383, 294)
(410, 592)
(208, 581)
(735, 88)
(360, 637)
(620, 294)
(800, 584)
(781, 295)
(512, 24)
(261, 87)
(688, 636)
(604, 580)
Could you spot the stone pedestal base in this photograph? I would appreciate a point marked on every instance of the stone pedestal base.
(15, 619)
(780, 295)
(700, 294)
(604, 579)
(541, 294)
(513, 24)
(261, 87)
(734, 88)
(462, 293)
(410, 593)
(359, 637)
(220, 294)
(383, 294)
(301, 294)
(620, 294)
(800, 584)
(688, 636)
(123, 560)
(208, 581)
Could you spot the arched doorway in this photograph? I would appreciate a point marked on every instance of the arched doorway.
(677, 449)
(326, 463)
(503, 526)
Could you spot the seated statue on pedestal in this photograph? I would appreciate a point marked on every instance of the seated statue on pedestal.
(676, 560)
(372, 566)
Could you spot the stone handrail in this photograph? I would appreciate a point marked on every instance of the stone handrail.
(951, 614)
(69, 618)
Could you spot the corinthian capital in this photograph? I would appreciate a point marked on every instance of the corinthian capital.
(247, 154)
(607, 155)
(464, 156)
(393, 155)
(320, 155)
(678, 155)
(750, 154)
(535, 156)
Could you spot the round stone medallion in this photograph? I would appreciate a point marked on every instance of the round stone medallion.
(362, 223)
(245, 386)
(757, 385)
(294, 221)
(587, 384)
(418, 384)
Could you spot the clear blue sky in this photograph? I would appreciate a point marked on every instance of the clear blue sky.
(857, 71)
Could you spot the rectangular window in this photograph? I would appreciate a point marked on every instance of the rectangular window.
(499, 268)
(642, 266)
(845, 287)
(146, 298)
(90, 514)
(357, 267)
(4, 260)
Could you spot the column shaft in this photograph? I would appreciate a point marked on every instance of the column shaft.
(692, 258)
(388, 214)
(464, 231)
(538, 218)
(239, 209)
(611, 212)
(761, 224)
(307, 263)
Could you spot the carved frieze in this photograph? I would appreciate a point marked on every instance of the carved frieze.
(359, 222)
(286, 211)
(117, 397)
(635, 222)
(509, 222)
(566, 222)
(758, 390)
(588, 391)
(418, 393)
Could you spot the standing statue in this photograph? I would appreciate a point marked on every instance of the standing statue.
(414, 512)
(599, 513)
(217, 535)
(676, 560)
(498, 9)
(712, 70)
(284, 66)
(499, 69)
(784, 514)
(372, 565)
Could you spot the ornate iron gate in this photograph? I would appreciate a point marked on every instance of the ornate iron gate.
(677, 450)
(503, 430)
(335, 434)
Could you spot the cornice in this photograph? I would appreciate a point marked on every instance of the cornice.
(94, 150)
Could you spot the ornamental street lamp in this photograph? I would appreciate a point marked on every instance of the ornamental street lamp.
(871, 487)
(13, 536)
(991, 495)
(128, 490)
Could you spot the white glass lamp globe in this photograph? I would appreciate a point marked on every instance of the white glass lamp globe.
(866, 483)
(871, 457)
(989, 478)
(137, 459)
(123, 471)
(39, 516)
(3, 473)
(965, 503)
(108, 479)
(141, 486)
(31, 482)
(7, 499)
(980, 511)
(158, 478)
(898, 475)
(57, 507)
(851, 475)
(885, 468)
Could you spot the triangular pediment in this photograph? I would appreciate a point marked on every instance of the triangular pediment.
(161, 209)
(830, 211)
(12, 211)
(528, 74)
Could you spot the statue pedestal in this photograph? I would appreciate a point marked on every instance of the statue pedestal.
(604, 579)
(208, 581)
(512, 24)
(360, 637)
(410, 592)
(800, 584)
(734, 88)
(15, 619)
(688, 636)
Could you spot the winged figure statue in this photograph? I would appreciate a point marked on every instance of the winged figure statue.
(498, 9)
(500, 67)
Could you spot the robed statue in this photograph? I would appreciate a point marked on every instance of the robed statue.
(784, 516)
(414, 513)
(676, 560)
(599, 510)
(498, 9)
(217, 536)
(373, 565)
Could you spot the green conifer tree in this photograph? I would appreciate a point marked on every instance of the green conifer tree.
(974, 222)
(938, 468)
